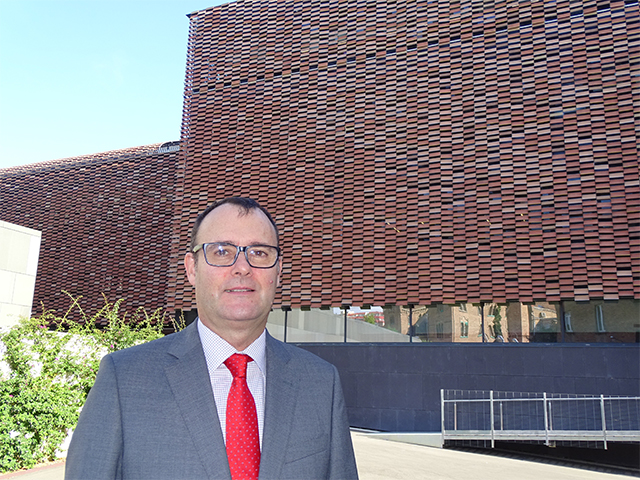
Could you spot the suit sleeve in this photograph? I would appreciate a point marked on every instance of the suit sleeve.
(343, 462)
(95, 450)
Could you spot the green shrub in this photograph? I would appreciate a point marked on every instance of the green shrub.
(48, 365)
(370, 318)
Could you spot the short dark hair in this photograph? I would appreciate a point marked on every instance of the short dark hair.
(245, 205)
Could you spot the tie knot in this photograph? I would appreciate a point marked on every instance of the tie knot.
(237, 364)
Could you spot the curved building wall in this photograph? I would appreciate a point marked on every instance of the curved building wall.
(106, 223)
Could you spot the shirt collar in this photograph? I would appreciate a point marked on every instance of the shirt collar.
(217, 349)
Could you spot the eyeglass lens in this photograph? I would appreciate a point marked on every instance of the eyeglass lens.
(225, 254)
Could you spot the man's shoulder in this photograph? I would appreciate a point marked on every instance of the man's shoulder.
(160, 346)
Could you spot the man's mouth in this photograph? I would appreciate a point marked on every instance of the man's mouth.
(239, 290)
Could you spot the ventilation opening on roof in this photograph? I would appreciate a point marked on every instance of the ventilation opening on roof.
(169, 147)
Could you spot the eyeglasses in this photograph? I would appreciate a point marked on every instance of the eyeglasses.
(220, 254)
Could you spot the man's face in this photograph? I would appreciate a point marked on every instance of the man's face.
(236, 298)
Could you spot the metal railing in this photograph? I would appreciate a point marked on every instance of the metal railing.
(539, 417)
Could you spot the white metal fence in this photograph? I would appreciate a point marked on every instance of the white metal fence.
(539, 417)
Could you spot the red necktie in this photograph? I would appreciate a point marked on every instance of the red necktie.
(243, 442)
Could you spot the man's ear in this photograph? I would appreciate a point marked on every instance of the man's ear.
(190, 267)
(279, 272)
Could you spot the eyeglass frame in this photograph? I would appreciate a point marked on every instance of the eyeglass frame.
(202, 246)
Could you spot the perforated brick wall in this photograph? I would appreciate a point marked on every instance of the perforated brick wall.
(106, 226)
(421, 152)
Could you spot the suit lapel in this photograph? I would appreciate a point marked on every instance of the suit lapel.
(189, 380)
(280, 397)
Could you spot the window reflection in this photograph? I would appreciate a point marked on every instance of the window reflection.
(603, 322)
(543, 323)
(540, 322)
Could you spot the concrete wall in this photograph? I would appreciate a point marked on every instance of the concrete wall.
(397, 387)
(19, 251)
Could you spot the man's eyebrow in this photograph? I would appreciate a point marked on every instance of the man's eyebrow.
(255, 242)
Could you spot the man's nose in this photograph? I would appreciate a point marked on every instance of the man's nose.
(241, 267)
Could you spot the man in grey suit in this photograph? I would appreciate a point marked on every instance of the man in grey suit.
(157, 411)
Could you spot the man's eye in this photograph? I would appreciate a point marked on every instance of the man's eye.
(220, 251)
(258, 253)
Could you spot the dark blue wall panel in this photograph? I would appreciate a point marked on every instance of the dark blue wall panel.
(393, 387)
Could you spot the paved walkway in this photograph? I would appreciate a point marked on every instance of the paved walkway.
(384, 459)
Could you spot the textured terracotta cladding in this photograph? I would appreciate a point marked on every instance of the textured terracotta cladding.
(411, 153)
(106, 225)
(421, 152)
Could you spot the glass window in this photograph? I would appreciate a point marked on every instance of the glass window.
(314, 325)
(436, 323)
(599, 319)
(374, 324)
(421, 327)
(464, 329)
(380, 324)
(614, 322)
(470, 324)
(275, 324)
(542, 322)
(567, 323)
(544, 326)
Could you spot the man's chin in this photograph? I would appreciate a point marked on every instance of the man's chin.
(245, 316)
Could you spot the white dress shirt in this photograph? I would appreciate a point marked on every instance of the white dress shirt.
(216, 351)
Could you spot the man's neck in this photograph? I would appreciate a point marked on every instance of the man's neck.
(239, 338)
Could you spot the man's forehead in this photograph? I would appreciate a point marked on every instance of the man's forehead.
(228, 216)
(232, 212)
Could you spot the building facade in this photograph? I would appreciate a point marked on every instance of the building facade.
(417, 154)
(442, 161)
(106, 223)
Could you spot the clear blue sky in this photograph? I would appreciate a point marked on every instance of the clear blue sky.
(86, 76)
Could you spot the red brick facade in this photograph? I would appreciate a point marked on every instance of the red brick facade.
(410, 152)
(106, 225)
(422, 152)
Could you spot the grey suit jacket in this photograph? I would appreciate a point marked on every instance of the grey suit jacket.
(151, 415)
